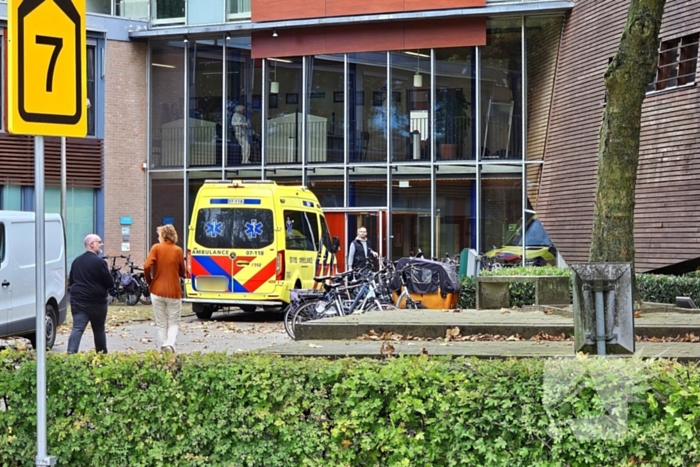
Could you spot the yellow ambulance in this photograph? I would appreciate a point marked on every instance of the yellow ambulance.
(251, 242)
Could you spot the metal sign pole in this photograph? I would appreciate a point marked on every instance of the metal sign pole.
(63, 180)
(42, 458)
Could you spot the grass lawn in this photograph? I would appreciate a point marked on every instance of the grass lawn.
(120, 314)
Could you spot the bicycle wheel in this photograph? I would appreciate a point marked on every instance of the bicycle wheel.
(305, 312)
(290, 313)
(287, 315)
(133, 298)
(145, 293)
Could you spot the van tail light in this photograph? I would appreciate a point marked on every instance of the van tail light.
(188, 264)
(279, 266)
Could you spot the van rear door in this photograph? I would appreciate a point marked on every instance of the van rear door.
(234, 247)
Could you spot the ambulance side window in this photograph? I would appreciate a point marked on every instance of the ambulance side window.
(325, 234)
(297, 231)
(312, 219)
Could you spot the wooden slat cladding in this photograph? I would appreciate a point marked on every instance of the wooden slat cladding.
(84, 161)
(281, 10)
(398, 35)
(668, 192)
(542, 53)
(667, 221)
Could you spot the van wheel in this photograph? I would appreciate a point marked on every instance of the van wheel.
(202, 311)
(51, 326)
(247, 308)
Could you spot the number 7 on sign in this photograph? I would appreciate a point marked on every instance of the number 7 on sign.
(57, 43)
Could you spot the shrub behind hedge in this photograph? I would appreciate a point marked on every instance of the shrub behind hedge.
(654, 288)
(215, 410)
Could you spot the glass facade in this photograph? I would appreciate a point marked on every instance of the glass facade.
(80, 214)
(167, 104)
(284, 131)
(326, 98)
(428, 148)
(501, 86)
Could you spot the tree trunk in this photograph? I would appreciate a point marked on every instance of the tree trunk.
(626, 82)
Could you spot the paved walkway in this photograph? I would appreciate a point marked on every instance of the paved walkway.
(337, 337)
(434, 324)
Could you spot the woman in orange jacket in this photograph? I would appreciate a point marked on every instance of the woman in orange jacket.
(164, 267)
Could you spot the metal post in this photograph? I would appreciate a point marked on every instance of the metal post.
(63, 181)
(42, 459)
(599, 321)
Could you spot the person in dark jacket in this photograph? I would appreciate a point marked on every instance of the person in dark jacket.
(89, 282)
(358, 255)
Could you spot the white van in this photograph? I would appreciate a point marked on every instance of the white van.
(18, 277)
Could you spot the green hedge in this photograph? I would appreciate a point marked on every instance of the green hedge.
(651, 288)
(217, 410)
(664, 289)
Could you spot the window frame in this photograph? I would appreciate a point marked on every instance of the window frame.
(677, 63)
(306, 229)
(91, 87)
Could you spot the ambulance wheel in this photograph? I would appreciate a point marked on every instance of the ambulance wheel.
(202, 311)
(247, 308)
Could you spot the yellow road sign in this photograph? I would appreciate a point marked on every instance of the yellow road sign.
(46, 68)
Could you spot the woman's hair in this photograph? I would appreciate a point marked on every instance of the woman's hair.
(239, 108)
(168, 233)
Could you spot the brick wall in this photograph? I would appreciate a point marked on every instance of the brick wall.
(125, 146)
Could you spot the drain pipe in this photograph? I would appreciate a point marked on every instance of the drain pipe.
(599, 319)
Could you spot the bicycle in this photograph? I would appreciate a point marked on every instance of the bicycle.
(340, 299)
(488, 264)
(144, 295)
(300, 298)
(117, 292)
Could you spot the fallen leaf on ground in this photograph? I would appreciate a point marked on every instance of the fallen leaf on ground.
(315, 346)
(387, 349)
(452, 333)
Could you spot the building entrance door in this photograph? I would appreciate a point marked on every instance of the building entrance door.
(344, 222)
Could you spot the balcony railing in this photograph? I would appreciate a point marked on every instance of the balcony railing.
(454, 138)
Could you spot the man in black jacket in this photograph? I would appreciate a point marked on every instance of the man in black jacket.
(358, 255)
(89, 282)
